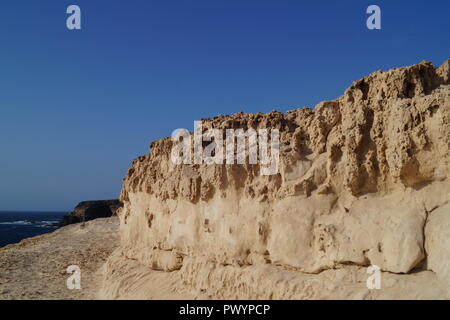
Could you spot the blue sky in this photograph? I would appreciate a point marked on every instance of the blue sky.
(77, 106)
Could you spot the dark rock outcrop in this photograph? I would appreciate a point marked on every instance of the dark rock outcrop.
(89, 210)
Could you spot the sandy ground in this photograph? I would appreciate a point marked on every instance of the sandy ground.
(127, 279)
(36, 267)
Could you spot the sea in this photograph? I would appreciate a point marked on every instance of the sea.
(15, 226)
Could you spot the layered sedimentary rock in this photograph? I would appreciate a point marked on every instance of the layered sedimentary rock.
(363, 180)
(90, 210)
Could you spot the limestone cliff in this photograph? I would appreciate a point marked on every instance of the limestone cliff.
(363, 180)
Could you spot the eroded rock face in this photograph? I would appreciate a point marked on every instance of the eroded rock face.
(363, 180)
(437, 235)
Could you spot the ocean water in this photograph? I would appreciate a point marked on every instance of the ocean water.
(15, 226)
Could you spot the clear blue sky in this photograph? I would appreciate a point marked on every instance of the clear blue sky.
(77, 106)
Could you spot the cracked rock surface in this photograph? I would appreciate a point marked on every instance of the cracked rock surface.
(363, 180)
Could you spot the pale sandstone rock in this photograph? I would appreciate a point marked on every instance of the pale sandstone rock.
(437, 235)
(363, 180)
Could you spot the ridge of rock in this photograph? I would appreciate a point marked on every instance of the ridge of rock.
(363, 180)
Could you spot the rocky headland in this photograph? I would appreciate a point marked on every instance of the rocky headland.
(90, 210)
